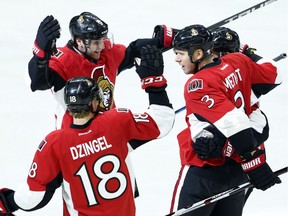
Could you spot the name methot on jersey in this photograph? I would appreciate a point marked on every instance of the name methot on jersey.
(230, 81)
(90, 147)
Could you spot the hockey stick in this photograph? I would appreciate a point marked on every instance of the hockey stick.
(281, 56)
(233, 17)
(221, 195)
(241, 14)
(277, 58)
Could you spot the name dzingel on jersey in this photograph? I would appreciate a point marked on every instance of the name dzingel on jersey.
(91, 147)
(232, 79)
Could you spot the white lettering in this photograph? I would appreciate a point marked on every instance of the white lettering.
(229, 150)
(35, 49)
(89, 148)
(74, 153)
(233, 79)
(251, 164)
(169, 32)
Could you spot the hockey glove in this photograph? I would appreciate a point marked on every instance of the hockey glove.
(5, 209)
(45, 43)
(250, 52)
(258, 171)
(150, 69)
(165, 36)
(210, 144)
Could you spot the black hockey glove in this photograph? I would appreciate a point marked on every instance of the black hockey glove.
(150, 69)
(258, 171)
(210, 144)
(5, 209)
(45, 42)
(250, 52)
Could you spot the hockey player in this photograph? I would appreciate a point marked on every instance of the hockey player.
(90, 52)
(218, 93)
(227, 41)
(214, 144)
(88, 159)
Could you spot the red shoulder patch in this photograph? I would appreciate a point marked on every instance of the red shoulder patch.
(195, 84)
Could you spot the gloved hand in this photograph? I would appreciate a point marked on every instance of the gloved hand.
(210, 144)
(165, 36)
(258, 171)
(48, 32)
(250, 52)
(5, 209)
(151, 68)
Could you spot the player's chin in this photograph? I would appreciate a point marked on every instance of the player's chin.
(96, 55)
(189, 71)
(186, 70)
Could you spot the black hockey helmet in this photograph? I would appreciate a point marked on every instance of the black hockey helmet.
(225, 40)
(79, 93)
(87, 26)
(194, 37)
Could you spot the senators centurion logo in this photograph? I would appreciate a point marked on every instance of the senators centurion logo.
(195, 84)
(106, 86)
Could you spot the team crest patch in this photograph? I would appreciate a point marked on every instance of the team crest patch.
(195, 84)
(58, 54)
(41, 145)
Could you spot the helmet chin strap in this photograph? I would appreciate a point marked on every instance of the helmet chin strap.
(196, 63)
(86, 43)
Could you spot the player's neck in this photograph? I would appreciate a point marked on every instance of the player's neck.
(207, 60)
(82, 121)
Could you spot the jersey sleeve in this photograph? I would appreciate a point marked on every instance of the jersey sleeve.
(42, 180)
(265, 78)
(65, 62)
(155, 123)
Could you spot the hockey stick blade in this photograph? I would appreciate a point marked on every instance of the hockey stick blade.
(277, 58)
(220, 196)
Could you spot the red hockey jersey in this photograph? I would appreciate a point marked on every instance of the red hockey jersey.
(89, 162)
(69, 64)
(220, 94)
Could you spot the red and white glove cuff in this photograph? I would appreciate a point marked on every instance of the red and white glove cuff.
(243, 48)
(168, 36)
(38, 51)
(254, 163)
(153, 81)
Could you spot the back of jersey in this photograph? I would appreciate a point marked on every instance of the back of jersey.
(221, 93)
(95, 176)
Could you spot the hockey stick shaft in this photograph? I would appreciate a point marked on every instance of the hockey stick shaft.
(233, 17)
(241, 14)
(277, 58)
(281, 56)
(221, 195)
